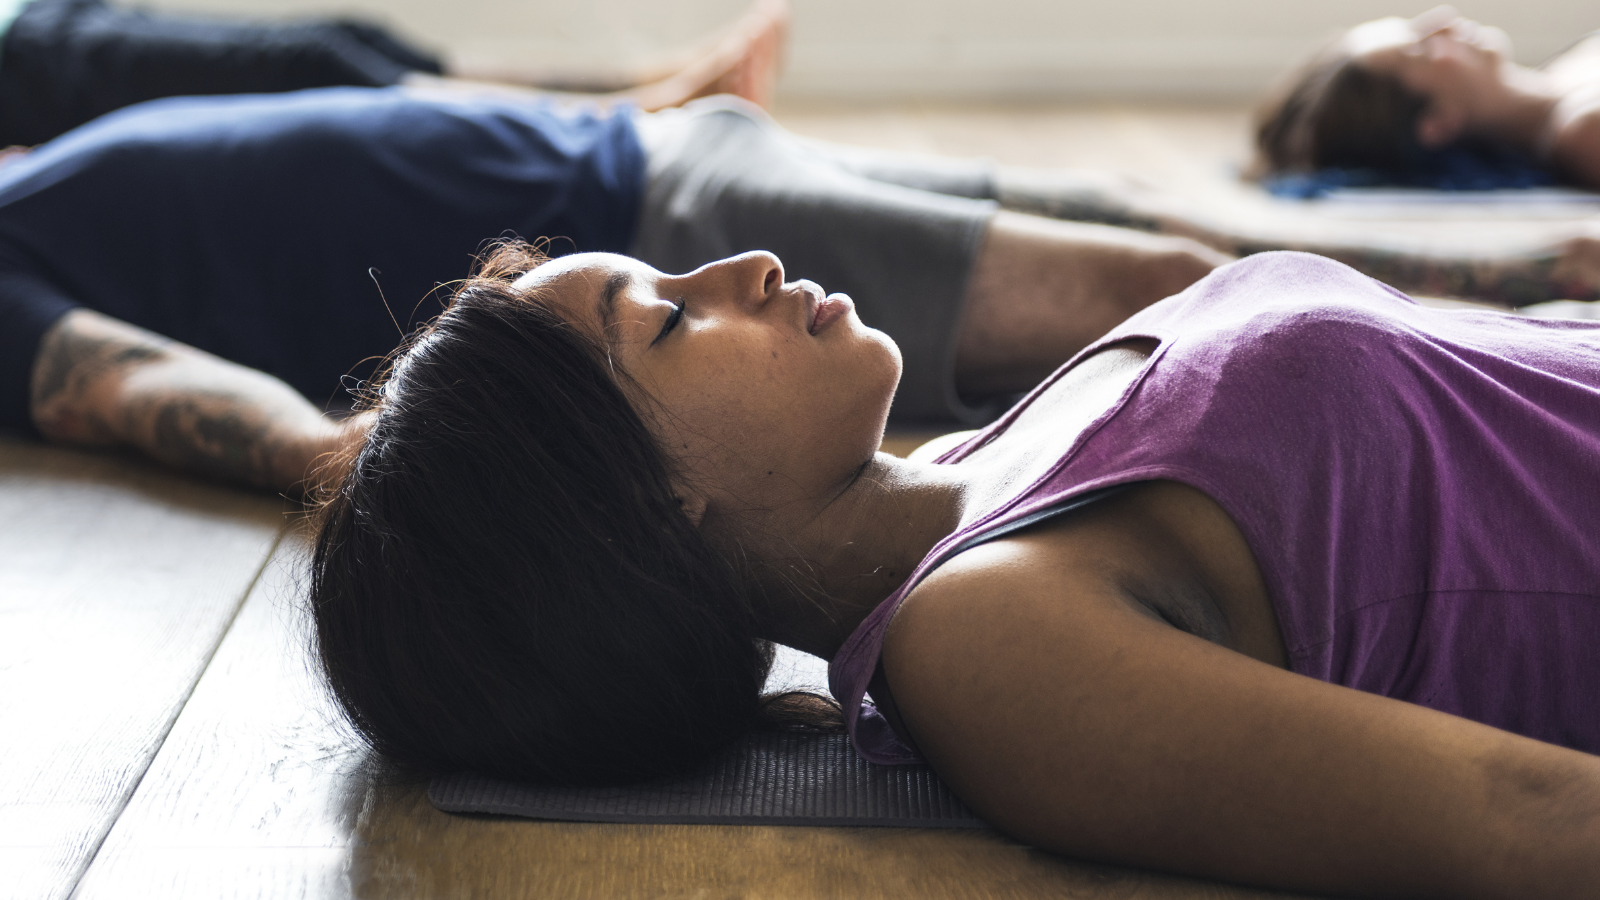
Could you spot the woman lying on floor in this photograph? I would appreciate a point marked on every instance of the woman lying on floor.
(1286, 580)
(1387, 90)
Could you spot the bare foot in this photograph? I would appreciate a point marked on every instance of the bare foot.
(744, 62)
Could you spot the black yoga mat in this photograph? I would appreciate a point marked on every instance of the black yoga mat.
(766, 779)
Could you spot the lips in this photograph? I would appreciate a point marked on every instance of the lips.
(829, 310)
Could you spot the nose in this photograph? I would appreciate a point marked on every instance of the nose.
(748, 280)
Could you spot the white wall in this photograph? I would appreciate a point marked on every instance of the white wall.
(926, 49)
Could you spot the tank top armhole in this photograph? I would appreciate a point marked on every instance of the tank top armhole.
(852, 671)
(1000, 425)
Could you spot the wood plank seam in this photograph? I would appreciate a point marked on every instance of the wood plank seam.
(133, 789)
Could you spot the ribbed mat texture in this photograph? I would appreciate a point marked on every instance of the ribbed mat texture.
(766, 779)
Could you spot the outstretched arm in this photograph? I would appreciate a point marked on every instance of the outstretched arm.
(1511, 277)
(1060, 709)
(101, 382)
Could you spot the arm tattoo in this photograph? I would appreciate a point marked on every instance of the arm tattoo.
(100, 381)
(1507, 280)
(75, 356)
(210, 434)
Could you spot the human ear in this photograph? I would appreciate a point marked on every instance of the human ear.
(1437, 127)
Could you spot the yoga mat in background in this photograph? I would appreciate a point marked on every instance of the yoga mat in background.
(766, 779)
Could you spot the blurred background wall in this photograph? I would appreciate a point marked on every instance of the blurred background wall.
(871, 50)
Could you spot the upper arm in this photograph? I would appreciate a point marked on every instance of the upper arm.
(1060, 712)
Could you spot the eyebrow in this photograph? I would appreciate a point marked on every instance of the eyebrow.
(607, 307)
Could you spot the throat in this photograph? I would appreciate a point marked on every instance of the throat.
(818, 584)
(825, 577)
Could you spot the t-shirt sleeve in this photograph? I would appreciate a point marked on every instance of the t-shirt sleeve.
(29, 306)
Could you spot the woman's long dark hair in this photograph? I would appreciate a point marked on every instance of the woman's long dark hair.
(503, 580)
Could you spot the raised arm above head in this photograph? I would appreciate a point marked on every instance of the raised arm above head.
(98, 381)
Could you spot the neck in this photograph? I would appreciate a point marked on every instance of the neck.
(1519, 115)
(837, 566)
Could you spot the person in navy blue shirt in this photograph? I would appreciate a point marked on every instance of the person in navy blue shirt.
(297, 233)
(201, 278)
(66, 62)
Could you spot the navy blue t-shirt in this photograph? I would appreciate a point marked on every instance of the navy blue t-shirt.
(247, 226)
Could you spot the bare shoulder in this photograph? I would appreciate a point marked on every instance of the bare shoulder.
(986, 593)
(1578, 64)
(986, 627)
(1575, 145)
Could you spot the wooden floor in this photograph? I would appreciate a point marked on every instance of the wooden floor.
(161, 734)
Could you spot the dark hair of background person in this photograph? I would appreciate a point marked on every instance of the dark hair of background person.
(503, 581)
(1333, 113)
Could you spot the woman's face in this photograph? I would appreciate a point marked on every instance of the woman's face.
(767, 393)
(1455, 63)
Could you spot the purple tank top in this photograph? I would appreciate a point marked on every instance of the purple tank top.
(1419, 488)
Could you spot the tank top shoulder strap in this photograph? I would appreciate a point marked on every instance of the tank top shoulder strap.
(853, 668)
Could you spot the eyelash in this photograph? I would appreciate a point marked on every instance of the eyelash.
(673, 318)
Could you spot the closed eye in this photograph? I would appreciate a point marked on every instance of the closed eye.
(673, 318)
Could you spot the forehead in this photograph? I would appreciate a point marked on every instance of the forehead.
(582, 286)
(578, 270)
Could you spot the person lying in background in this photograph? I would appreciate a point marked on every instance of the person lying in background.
(1288, 580)
(1388, 95)
(181, 275)
(65, 62)
(1566, 268)
(1412, 100)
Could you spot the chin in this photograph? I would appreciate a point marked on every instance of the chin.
(889, 364)
(881, 382)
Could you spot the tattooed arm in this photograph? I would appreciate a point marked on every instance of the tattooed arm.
(1509, 280)
(1566, 271)
(99, 381)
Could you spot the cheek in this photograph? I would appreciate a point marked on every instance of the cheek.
(735, 401)
(747, 410)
